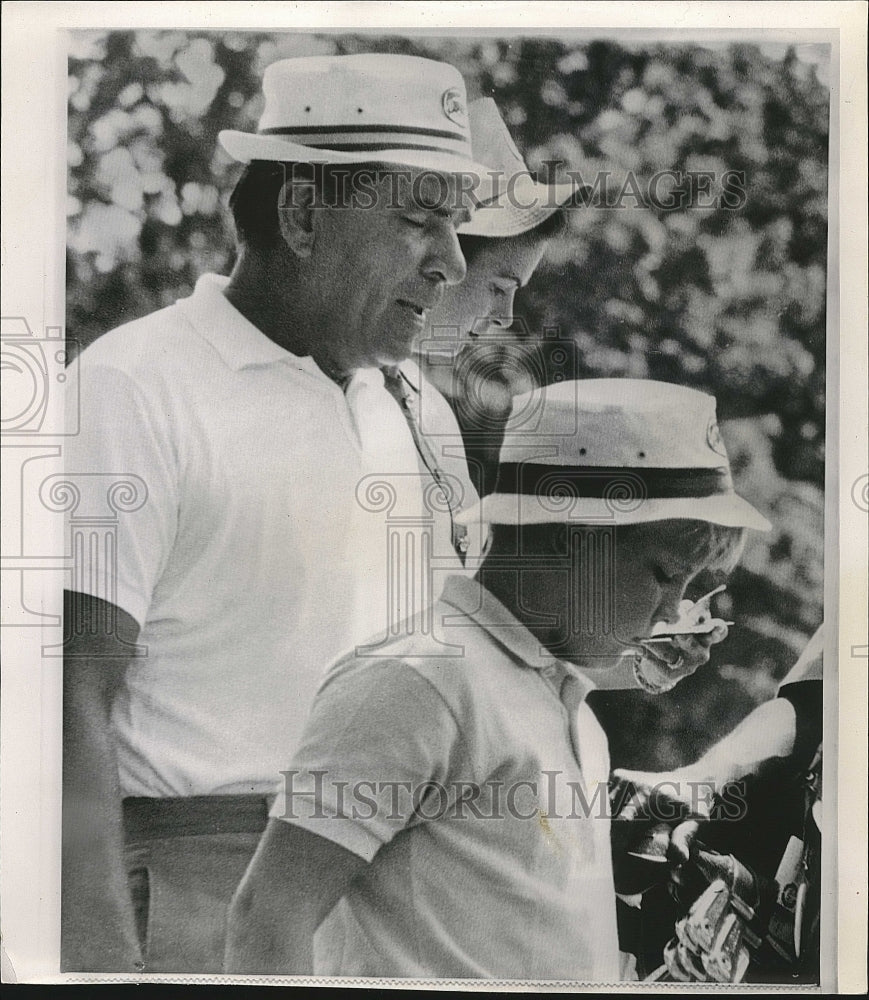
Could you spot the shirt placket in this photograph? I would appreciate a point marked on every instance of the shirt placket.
(571, 694)
(407, 397)
(350, 404)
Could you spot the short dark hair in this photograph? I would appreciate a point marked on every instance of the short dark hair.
(553, 225)
(254, 201)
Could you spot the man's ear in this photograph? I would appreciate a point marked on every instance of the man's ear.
(296, 216)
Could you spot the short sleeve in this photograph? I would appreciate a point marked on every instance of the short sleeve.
(376, 754)
(803, 688)
(810, 665)
(123, 464)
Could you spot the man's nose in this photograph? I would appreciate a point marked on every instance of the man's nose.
(502, 321)
(501, 313)
(445, 261)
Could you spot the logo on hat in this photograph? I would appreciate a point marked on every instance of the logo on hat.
(453, 103)
(643, 455)
(713, 439)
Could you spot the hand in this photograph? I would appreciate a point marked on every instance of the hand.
(657, 816)
(682, 844)
(665, 663)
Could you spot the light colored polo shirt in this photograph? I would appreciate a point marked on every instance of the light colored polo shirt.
(262, 549)
(473, 779)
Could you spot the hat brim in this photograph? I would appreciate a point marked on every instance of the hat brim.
(519, 209)
(729, 510)
(247, 146)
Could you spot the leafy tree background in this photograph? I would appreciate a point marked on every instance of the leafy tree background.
(729, 301)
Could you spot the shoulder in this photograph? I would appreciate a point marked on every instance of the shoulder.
(376, 706)
(459, 662)
(142, 348)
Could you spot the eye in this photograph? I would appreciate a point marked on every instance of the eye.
(418, 222)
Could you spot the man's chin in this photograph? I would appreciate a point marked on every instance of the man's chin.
(396, 349)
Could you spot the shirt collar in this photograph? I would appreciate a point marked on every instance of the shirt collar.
(238, 342)
(412, 374)
(472, 599)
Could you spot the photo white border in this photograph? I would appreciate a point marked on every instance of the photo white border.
(34, 179)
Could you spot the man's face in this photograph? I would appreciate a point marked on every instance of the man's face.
(382, 264)
(483, 302)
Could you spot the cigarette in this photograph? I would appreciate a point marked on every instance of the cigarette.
(703, 629)
(687, 625)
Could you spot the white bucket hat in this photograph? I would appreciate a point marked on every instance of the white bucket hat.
(512, 201)
(367, 108)
(618, 451)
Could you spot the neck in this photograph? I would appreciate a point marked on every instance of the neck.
(269, 291)
(523, 605)
(606, 670)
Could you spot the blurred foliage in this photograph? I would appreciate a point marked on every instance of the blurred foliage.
(729, 300)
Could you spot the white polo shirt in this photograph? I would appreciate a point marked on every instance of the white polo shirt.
(515, 883)
(260, 552)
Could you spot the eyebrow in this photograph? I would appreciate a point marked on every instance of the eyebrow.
(457, 215)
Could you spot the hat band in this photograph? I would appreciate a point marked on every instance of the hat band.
(606, 483)
(302, 130)
(351, 138)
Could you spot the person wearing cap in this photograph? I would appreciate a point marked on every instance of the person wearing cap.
(503, 244)
(246, 417)
(446, 812)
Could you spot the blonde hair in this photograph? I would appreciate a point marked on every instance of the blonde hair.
(717, 546)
